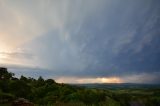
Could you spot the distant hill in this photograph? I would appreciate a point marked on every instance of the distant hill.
(118, 85)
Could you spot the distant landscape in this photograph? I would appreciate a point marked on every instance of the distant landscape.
(119, 85)
(79, 52)
(41, 92)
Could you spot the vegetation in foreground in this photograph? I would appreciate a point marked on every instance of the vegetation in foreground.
(49, 93)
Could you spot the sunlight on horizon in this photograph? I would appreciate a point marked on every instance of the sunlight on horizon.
(89, 80)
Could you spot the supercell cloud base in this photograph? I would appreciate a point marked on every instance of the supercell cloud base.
(82, 41)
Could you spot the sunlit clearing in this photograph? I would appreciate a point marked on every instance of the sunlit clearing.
(89, 80)
(111, 80)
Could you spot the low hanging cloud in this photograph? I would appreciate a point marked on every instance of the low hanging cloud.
(143, 78)
(16, 55)
(58, 76)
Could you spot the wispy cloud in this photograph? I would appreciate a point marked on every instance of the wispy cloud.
(18, 55)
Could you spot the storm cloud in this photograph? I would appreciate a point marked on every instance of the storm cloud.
(83, 39)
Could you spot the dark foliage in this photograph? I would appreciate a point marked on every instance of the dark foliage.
(48, 92)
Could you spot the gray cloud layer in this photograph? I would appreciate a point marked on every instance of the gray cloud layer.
(90, 38)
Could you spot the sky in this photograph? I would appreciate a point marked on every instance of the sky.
(82, 41)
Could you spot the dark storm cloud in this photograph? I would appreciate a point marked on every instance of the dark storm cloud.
(120, 39)
(127, 42)
(93, 38)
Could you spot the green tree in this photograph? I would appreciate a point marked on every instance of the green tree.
(40, 82)
(20, 89)
(22, 78)
(50, 81)
(4, 74)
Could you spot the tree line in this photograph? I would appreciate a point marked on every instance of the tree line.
(48, 92)
(40, 91)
